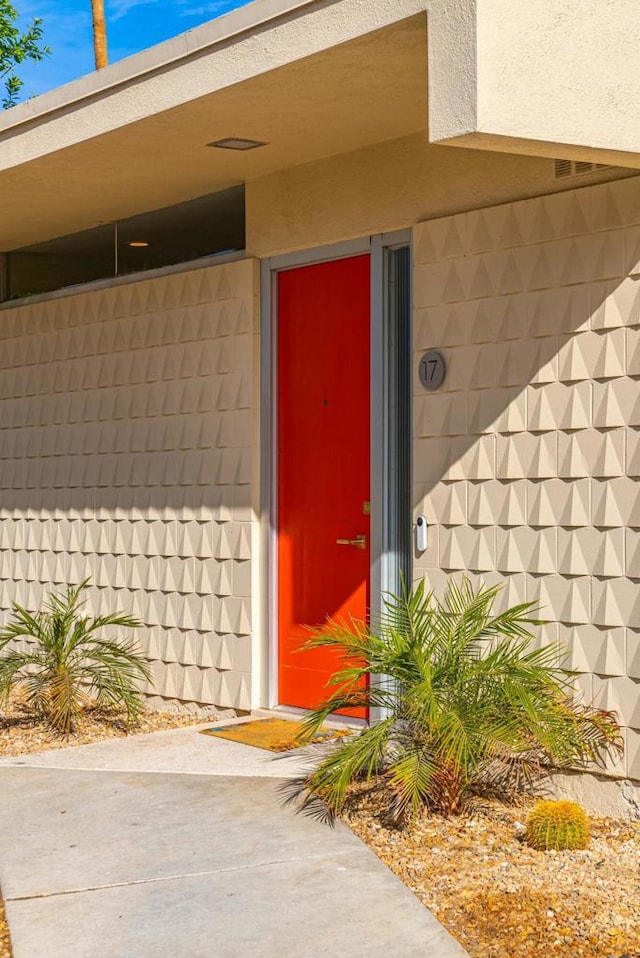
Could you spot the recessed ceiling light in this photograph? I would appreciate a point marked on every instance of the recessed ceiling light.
(138, 244)
(236, 143)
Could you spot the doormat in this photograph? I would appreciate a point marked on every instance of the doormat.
(275, 735)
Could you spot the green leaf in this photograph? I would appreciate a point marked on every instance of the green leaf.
(68, 662)
(16, 48)
(469, 702)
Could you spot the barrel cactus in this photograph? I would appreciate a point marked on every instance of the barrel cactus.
(562, 826)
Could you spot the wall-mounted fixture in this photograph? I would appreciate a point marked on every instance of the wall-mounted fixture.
(421, 534)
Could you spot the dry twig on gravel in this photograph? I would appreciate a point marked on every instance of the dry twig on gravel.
(501, 899)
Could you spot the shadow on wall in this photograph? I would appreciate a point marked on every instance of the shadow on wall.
(527, 460)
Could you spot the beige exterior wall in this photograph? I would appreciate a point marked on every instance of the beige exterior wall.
(546, 77)
(558, 72)
(128, 448)
(389, 186)
(527, 461)
(129, 417)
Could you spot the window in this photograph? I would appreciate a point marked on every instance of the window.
(206, 226)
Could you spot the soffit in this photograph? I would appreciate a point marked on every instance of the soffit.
(361, 92)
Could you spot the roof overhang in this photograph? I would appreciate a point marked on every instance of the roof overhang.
(255, 40)
(314, 78)
(314, 81)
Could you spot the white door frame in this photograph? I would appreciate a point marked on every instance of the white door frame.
(375, 246)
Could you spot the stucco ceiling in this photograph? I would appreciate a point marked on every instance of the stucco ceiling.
(364, 91)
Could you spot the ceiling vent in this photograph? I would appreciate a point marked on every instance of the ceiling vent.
(565, 168)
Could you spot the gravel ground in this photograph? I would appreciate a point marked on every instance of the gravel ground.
(501, 899)
(20, 733)
(5, 942)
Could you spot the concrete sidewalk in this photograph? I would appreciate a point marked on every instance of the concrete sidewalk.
(179, 750)
(101, 862)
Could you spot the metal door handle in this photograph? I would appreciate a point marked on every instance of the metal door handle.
(360, 542)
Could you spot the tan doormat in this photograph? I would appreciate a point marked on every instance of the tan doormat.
(275, 734)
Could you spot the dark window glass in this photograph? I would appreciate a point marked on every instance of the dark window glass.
(178, 234)
(65, 261)
(205, 226)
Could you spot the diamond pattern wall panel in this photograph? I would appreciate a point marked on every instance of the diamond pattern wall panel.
(527, 460)
(127, 425)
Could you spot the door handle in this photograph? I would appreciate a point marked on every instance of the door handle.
(360, 542)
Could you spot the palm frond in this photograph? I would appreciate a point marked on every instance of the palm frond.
(411, 777)
(69, 662)
(469, 698)
(356, 757)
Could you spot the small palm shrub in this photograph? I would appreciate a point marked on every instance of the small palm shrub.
(67, 663)
(557, 825)
(466, 703)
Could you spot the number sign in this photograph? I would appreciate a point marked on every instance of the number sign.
(432, 369)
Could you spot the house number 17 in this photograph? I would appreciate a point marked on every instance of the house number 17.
(432, 369)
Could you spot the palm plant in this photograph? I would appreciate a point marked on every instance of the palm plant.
(67, 664)
(467, 701)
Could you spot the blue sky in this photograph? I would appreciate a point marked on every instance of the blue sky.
(132, 25)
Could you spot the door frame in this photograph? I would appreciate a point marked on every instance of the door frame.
(376, 246)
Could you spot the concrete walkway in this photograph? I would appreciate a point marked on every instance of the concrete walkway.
(177, 845)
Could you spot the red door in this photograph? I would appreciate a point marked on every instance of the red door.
(323, 464)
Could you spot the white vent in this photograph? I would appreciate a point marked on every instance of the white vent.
(566, 168)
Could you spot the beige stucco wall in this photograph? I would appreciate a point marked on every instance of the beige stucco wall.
(128, 454)
(546, 77)
(386, 187)
(560, 72)
(527, 461)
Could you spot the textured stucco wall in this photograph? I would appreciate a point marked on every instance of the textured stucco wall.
(127, 453)
(560, 71)
(527, 461)
(385, 187)
(546, 77)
